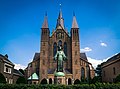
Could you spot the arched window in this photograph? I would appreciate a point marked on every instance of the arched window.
(44, 81)
(82, 72)
(69, 81)
(54, 49)
(50, 81)
(59, 43)
(65, 48)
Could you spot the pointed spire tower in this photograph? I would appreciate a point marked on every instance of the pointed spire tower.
(60, 20)
(45, 23)
(74, 23)
(45, 29)
(44, 48)
(75, 47)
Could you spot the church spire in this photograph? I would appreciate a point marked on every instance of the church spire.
(74, 23)
(45, 23)
(60, 20)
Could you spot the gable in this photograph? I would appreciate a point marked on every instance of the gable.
(59, 33)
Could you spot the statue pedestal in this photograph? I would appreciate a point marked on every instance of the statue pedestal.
(59, 78)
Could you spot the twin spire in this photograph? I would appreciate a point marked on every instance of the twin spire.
(60, 21)
(45, 23)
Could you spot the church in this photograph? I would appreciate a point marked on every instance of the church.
(43, 66)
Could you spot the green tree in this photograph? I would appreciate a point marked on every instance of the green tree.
(98, 71)
(117, 79)
(21, 80)
(2, 78)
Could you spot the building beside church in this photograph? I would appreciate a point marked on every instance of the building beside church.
(43, 65)
(111, 68)
(7, 69)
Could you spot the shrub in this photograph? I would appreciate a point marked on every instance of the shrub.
(2, 78)
(21, 80)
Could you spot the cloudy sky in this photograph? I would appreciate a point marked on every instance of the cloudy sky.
(21, 20)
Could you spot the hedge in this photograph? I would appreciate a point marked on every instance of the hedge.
(82, 86)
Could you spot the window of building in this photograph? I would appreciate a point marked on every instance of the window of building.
(114, 72)
(7, 69)
(59, 43)
(82, 72)
(10, 81)
(65, 48)
(54, 48)
(6, 79)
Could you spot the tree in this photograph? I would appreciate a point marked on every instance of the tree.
(2, 78)
(21, 80)
(98, 71)
(22, 71)
(117, 79)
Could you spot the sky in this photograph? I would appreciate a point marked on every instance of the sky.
(21, 22)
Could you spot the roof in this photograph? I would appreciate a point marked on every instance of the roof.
(114, 57)
(60, 20)
(45, 23)
(83, 56)
(36, 56)
(74, 23)
(5, 59)
(33, 77)
(17, 72)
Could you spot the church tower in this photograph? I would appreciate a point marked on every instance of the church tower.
(75, 49)
(44, 49)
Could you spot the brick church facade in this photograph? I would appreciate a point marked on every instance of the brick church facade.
(75, 67)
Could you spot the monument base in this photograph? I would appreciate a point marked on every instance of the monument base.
(59, 80)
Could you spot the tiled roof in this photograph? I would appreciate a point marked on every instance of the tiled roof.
(17, 72)
(36, 56)
(83, 56)
(5, 59)
(74, 23)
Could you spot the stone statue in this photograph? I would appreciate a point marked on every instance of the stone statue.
(60, 57)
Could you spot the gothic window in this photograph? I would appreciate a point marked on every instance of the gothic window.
(54, 49)
(59, 43)
(114, 71)
(82, 72)
(65, 48)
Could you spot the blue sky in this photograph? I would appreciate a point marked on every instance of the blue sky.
(21, 20)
